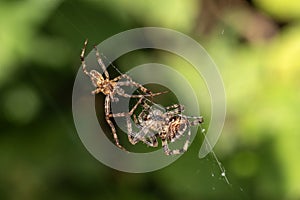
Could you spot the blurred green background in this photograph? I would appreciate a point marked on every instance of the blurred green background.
(256, 45)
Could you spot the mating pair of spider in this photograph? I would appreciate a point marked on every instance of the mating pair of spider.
(167, 124)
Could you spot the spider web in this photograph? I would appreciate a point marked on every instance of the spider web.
(208, 145)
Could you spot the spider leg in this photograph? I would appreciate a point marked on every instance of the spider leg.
(144, 115)
(176, 151)
(82, 58)
(136, 137)
(187, 142)
(129, 131)
(197, 121)
(123, 94)
(174, 106)
(129, 126)
(175, 109)
(132, 137)
(135, 120)
(151, 142)
(143, 89)
(137, 85)
(144, 130)
(107, 117)
(165, 146)
(96, 91)
(119, 78)
(140, 96)
(100, 62)
(126, 114)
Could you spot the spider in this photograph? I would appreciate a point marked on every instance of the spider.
(168, 125)
(112, 87)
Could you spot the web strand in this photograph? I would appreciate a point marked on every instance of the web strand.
(222, 169)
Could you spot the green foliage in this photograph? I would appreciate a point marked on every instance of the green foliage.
(43, 158)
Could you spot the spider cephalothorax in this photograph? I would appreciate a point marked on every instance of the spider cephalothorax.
(104, 86)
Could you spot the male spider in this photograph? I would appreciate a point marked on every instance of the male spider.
(112, 87)
(168, 125)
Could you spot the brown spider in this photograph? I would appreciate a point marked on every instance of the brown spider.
(112, 87)
(168, 125)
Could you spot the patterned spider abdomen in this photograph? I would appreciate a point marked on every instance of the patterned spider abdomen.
(176, 128)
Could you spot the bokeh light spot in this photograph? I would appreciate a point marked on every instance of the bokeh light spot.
(21, 105)
(245, 164)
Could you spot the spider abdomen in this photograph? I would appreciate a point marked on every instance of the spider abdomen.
(176, 128)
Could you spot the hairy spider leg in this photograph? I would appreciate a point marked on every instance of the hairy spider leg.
(82, 58)
(100, 62)
(109, 115)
